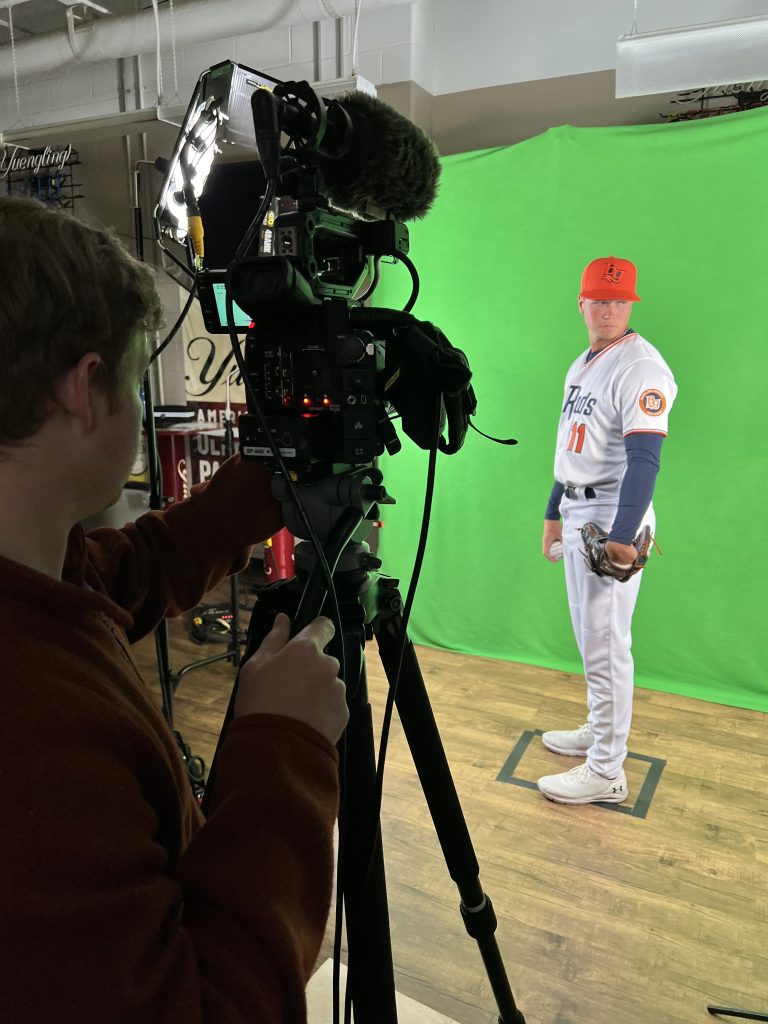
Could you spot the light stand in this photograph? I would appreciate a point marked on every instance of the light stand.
(232, 653)
(169, 680)
(155, 482)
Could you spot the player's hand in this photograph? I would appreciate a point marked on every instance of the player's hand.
(553, 532)
(620, 554)
(293, 677)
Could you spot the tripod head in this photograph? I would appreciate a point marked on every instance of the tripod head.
(341, 510)
(358, 490)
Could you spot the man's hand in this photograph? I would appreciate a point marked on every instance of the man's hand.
(553, 531)
(293, 677)
(621, 554)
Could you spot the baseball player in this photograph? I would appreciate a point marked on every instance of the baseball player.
(613, 420)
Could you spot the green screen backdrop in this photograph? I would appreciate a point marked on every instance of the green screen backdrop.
(500, 258)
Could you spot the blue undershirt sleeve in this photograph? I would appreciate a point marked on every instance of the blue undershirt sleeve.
(553, 507)
(643, 460)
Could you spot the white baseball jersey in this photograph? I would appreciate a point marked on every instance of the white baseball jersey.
(626, 388)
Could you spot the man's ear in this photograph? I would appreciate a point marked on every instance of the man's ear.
(75, 390)
(581, 305)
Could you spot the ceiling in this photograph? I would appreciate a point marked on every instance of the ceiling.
(37, 17)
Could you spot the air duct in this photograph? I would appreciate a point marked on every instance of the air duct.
(691, 57)
(198, 21)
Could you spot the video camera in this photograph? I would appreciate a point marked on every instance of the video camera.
(327, 373)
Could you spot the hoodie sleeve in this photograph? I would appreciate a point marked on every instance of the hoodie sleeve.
(165, 562)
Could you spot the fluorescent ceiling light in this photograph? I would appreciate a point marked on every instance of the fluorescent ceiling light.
(691, 57)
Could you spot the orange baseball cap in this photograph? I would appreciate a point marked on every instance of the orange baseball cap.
(610, 278)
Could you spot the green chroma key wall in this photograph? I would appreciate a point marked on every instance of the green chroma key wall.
(500, 258)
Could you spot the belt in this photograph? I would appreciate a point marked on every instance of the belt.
(573, 492)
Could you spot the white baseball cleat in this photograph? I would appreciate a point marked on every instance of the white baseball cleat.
(583, 786)
(572, 743)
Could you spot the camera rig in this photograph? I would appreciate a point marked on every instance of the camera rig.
(328, 373)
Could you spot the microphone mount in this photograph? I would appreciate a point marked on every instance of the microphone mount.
(319, 130)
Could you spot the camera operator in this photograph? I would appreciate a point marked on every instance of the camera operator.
(118, 902)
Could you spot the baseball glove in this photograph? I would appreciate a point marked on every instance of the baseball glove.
(595, 539)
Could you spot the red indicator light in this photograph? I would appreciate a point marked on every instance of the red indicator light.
(307, 401)
(326, 401)
(287, 399)
(251, 325)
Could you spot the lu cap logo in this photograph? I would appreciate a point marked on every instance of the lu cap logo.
(613, 274)
(609, 278)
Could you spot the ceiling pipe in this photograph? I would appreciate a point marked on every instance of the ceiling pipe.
(195, 22)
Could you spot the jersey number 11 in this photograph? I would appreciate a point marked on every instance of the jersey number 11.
(576, 440)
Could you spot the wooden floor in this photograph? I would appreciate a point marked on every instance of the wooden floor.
(604, 917)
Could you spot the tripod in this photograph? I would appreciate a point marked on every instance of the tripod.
(371, 607)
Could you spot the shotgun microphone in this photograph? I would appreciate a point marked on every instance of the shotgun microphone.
(373, 161)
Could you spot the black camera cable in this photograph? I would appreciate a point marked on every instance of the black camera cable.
(310, 531)
(414, 279)
(327, 573)
(172, 256)
(308, 612)
(267, 134)
(387, 720)
(174, 330)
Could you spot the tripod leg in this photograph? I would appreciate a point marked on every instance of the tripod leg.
(280, 597)
(744, 1014)
(426, 748)
(362, 878)
(370, 972)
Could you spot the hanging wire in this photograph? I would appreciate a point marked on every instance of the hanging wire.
(174, 330)
(358, 5)
(173, 53)
(15, 66)
(633, 31)
(159, 62)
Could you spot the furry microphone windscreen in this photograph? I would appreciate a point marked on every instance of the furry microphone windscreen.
(392, 165)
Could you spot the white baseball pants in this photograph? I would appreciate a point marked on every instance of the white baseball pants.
(601, 613)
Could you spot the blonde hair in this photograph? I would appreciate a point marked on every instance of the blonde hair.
(66, 289)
